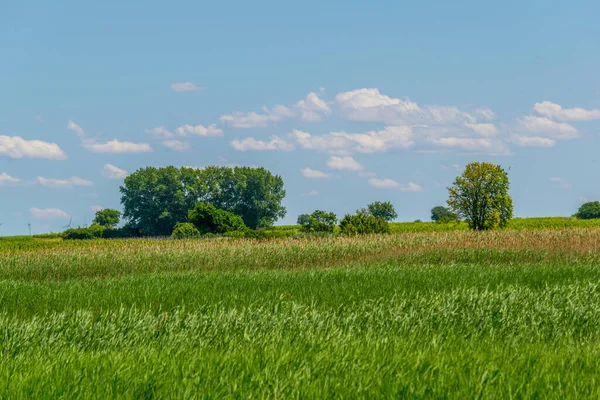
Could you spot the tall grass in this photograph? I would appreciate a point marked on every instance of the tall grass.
(458, 314)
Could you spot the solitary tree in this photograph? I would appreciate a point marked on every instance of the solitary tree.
(384, 210)
(480, 195)
(107, 217)
(589, 210)
(442, 214)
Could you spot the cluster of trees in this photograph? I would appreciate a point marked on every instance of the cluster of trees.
(157, 200)
(185, 202)
(373, 219)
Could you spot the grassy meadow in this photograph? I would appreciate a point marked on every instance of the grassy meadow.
(448, 314)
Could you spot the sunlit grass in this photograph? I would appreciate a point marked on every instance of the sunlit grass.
(429, 315)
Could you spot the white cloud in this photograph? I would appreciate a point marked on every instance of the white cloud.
(555, 179)
(532, 141)
(313, 108)
(47, 213)
(556, 112)
(199, 130)
(383, 183)
(7, 180)
(368, 104)
(185, 87)
(313, 174)
(411, 187)
(545, 126)
(390, 184)
(95, 209)
(64, 183)
(75, 128)
(116, 147)
(483, 129)
(471, 144)
(391, 137)
(344, 164)
(17, 147)
(113, 172)
(251, 144)
(240, 119)
(112, 146)
(313, 193)
(485, 113)
(177, 145)
(160, 132)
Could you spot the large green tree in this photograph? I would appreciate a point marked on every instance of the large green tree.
(107, 217)
(442, 214)
(589, 210)
(382, 209)
(155, 199)
(480, 195)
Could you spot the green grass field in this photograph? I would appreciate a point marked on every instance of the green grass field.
(457, 314)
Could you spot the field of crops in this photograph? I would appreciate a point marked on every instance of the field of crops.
(455, 314)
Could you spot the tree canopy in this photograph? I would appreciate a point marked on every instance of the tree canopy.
(480, 195)
(155, 199)
(442, 214)
(107, 218)
(320, 221)
(589, 210)
(384, 210)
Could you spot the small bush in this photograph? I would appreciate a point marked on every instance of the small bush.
(363, 223)
(209, 219)
(184, 230)
(320, 221)
(95, 231)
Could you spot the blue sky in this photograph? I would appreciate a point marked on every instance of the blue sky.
(349, 102)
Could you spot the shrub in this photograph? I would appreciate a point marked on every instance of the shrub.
(589, 210)
(95, 231)
(207, 218)
(442, 215)
(184, 230)
(320, 221)
(363, 223)
(303, 219)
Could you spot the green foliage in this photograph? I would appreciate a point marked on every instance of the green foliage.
(320, 221)
(363, 223)
(589, 210)
(107, 217)
(480, 195)
(442, 215)
(209, 219)
(383, 210)
(155, 199)
(456, 315)
(184, 230)
(303, 219)
(94, 231)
